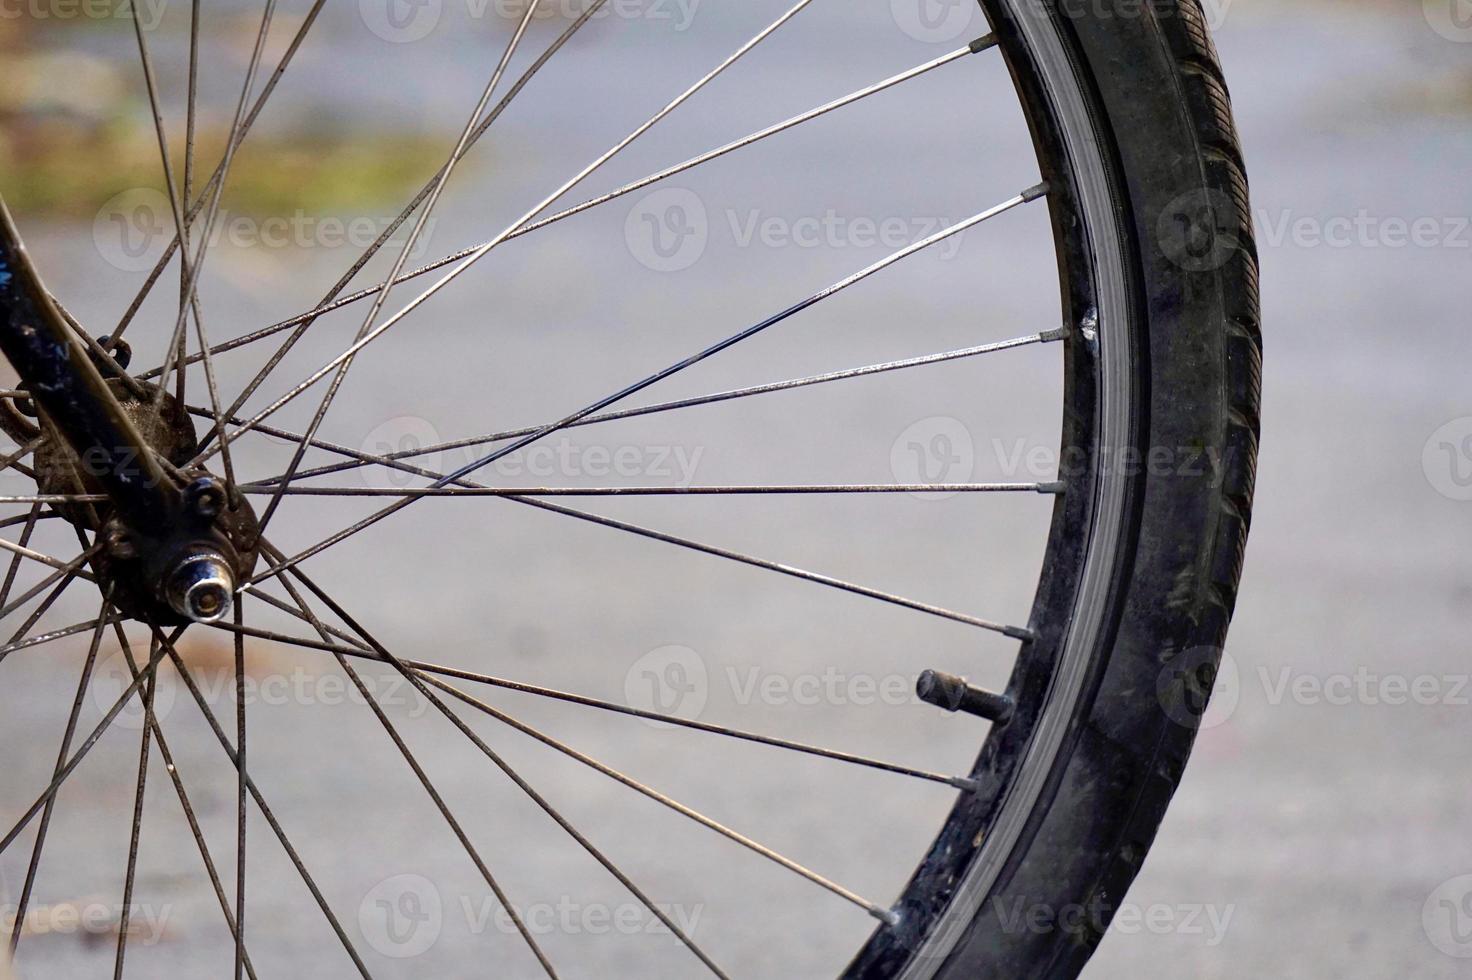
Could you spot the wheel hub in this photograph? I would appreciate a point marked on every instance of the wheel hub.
(186, 568)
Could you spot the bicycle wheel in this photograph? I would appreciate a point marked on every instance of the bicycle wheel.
(1138, 168)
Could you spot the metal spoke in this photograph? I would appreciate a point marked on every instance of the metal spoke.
(305, 319)
(47, 560)
(410, 672)
(424, 214)
(60, 634)
(81, 753)
(69, 573)
(421, 680)
(197, 205)
(61, 755)
(23, 518)
(873, 908)
(188, 298)
(303, 323)
(52, 498)
(428, 784)
(129, 878)
(189, 815)
(190, 116)
(656, 491)
(13, 459)
(241, 792)
(1032, 194)
(25, 539)
(192, 269)
(361, 459)
(479, 253)
(286, 845)
(40, 611)
(357, 648)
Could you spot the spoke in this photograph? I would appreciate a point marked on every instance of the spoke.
(420, 681)
(330, 304)
(286, 845)
(57, 563)
(60, 634)
(404, 253)
(13, 459)
(197, 205)
(363, 650)
(40, 611)
(357, 648)
(86, 746)
(537, 209)
(129, 879)
(303, 323)
(193, 269)
(1016, 632)
(46, 811)
(434, 794)
(241, 793)
(25, 539)
(801, 489)
(361, 459)
(188, 298)
(1032, 194)
(69, 573)
(23, 518)
(53, 498)
(189, 815)
(873, 908)
(190, 101)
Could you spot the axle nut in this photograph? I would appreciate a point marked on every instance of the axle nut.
(201, 588)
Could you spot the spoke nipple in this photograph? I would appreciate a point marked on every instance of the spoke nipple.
(965, 783)
(889, 917)
(955, 694)
(201, 588)
(1033, 193)
(982, 43)
(1055, 487)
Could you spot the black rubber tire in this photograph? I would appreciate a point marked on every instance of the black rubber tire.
(1161, 98)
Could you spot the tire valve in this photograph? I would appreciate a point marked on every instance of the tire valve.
(955, 694)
